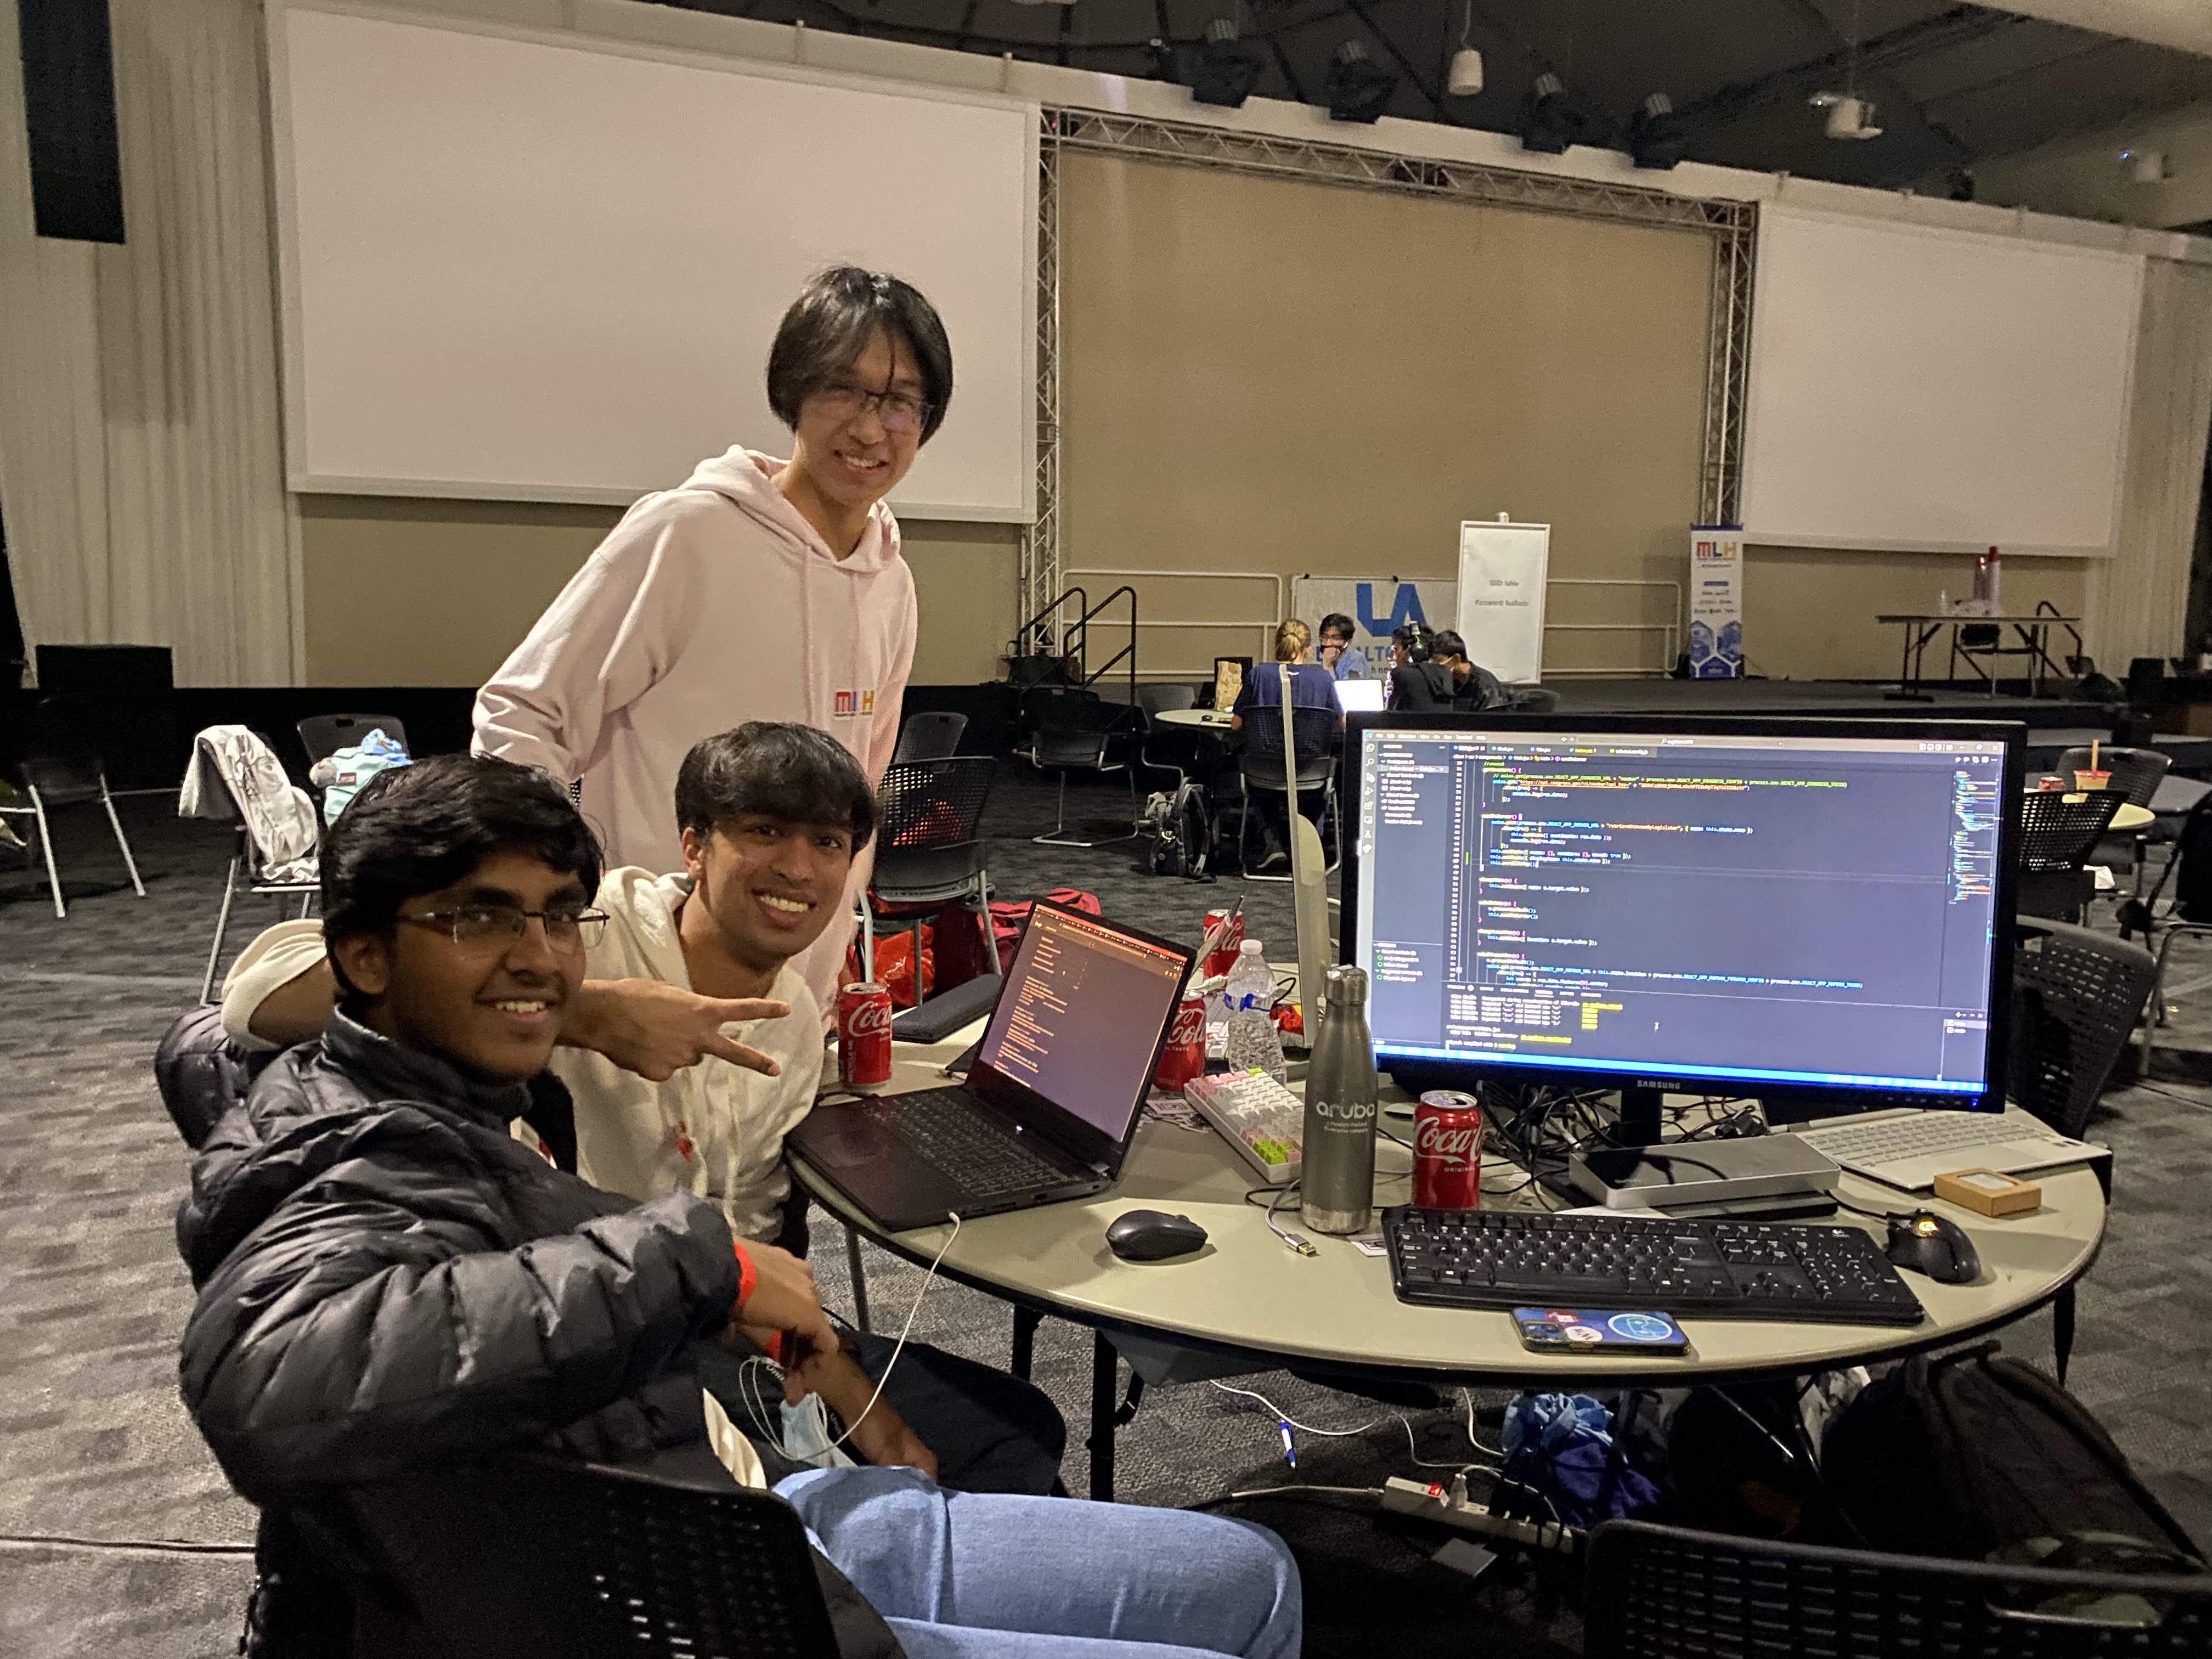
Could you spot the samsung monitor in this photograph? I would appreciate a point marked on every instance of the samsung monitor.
(1814, 913)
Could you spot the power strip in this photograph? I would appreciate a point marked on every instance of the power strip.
(1454, 1508)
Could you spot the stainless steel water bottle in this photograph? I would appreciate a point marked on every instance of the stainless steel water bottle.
(1337, 1172)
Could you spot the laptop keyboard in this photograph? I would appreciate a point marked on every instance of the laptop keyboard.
(1916, 1137)
(943, 1126)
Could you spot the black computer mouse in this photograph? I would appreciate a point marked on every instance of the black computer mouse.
(1153, 1235)
(1929, 1244)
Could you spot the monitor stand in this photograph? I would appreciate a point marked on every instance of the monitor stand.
(1640, 1118)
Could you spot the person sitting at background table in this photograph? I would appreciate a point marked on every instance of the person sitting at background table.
(1415, 682)
(760, 588)
(1473, 687)
(389, 1282)
(1311, 687)
(1334, 649)
(770, 817)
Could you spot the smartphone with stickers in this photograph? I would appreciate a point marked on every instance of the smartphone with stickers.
(1581, 1330)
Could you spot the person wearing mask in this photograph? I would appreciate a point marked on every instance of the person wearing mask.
(759, 589)
(1416, 683)
(1474, 688)
(1332, 647)
(388, 1283)
(1312, 687)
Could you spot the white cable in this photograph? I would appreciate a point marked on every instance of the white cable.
(1269, 1492)
(1412, 1448)
(1283, 1416)
(897, 1348)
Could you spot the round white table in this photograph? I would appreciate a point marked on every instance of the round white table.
(1203, 719)
(1246, 1298)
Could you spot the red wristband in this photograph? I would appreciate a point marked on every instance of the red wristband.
(745, 1275)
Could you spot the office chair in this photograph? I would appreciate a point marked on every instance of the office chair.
(929, 737)
(2057, 834)
(1313, 737)
(929, 845)
(2076, 998)
(229, 764)
(569, 1560)
(1074, 731)
(324, 735)
(62, 769)
(1655, 1592)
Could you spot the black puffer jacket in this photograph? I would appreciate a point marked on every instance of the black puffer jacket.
(387, 1280)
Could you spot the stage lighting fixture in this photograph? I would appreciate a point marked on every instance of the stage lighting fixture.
(1848, 115)
(1549, 123)
(1227, 69)
(2146, 166)
(1358, 89)
(1657, 137)
(1464, 78)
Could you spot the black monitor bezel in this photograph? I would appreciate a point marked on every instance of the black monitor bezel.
(1783, 1099)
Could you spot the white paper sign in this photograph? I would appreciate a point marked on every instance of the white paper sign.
(1377, 605)
(1716, 603)
(1502, 571)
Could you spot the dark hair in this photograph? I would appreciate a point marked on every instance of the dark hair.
(1446, 642)
(1416, 640)
(828, 327)
(793, 773)
(417, 829)
(1337, 623)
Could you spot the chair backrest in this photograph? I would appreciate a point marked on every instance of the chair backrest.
(234, 776)
(57, 780)
(2057, 834)
(1312, 731)
(1155, 699)
(2136, 772)
(582, 1561)
(1530, 700)
(324, 735)
(1655, 1592)
(930, 737)
(60, 728)
(2076, 997)
(934, 803)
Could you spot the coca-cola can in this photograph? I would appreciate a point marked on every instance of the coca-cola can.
(1184, 1057)
(863, 1036)
(1223, 956)
(1448, 1151)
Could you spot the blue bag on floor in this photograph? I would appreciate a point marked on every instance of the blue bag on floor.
(1560, 1448)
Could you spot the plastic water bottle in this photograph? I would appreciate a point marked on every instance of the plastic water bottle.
(1251, 1044)
(1337, 1171)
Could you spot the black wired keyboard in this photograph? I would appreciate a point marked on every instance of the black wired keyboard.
(1818, 1274)
(944, 1126)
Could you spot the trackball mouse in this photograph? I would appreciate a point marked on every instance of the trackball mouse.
(1929, 1244)
(1153, 1235)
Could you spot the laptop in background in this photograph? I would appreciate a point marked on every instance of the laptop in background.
(1354, 696)
(1909, 1149)
(1047, 1108)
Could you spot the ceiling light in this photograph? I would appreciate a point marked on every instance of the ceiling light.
(1358, 89)
(1849, 116)
(1464, 79)
(1227, 69)
(2146, 166)
(1549, 123)
(1657, 137)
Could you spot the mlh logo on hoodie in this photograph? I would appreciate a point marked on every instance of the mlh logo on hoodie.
(855, 701)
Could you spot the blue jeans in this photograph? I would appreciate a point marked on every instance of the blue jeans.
(992, 1575)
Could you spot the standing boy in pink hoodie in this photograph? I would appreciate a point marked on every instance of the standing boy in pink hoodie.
(760, 590)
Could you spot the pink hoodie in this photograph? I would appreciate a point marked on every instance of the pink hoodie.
(707, 606)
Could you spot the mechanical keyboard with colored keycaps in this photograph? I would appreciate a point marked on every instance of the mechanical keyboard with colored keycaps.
(1819, 1274)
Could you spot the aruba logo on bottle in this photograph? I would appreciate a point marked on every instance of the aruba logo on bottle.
(1405, 607)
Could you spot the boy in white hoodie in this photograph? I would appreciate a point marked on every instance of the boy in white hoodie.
(759, 590)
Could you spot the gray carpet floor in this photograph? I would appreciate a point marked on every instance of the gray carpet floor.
(95, 1446)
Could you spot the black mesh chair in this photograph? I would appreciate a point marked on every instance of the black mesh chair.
(1260, 765)
(565, 1560)
(2076, 998)
(60, 769)
(2057, 832)
(1655, 1592)
(929, 845)
(930, 737)
(2134, 772)
(324, 735)
(1076, 730)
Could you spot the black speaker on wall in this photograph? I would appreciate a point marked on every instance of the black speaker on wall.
(69, 108)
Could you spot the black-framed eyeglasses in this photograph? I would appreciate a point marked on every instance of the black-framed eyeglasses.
(566, 928)
(897, 411)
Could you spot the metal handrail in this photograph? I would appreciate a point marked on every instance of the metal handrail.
(1028, 628)
(1082, 633)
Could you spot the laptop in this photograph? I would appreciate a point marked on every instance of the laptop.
(1910, 1148)
(1047, 1108)
(1360, 696)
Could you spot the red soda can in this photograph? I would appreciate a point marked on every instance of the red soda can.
(1448, 1151)
(1223, 956)
(1184, 1057)
(863, 1036)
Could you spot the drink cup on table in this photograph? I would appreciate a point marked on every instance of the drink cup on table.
(1184, 1056)
(1448, 1151)
(863, 1036)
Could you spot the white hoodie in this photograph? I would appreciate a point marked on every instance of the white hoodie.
(707, 606)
